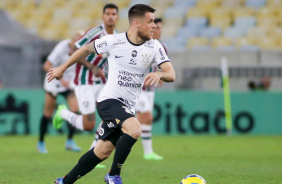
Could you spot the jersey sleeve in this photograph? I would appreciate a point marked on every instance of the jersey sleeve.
(89, 36)
(55, 54)
(160, 54)
(104, 44)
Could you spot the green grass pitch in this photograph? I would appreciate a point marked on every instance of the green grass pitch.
(219, 159)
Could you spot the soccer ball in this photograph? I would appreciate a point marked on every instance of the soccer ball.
(193, 179)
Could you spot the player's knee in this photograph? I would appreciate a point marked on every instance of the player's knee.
(89, 126)
(103, 154)
(136, 132)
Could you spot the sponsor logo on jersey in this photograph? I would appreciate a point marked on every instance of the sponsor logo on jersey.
(149, 44)
(127, 110)
(132, 62)
(101, 44)
(101, 131)
(146, 59)
(134, 53)
(162, 54)
(119, 42)
(110, 125)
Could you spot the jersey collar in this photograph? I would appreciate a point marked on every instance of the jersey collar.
(131, 42)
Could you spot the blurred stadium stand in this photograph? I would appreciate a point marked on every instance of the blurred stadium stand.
(197, 32)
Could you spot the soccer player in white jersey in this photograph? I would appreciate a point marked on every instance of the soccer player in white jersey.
(145, 105)
(88, 86)
(59, 55)
(131, 55)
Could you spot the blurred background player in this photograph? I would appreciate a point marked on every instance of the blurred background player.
(59, 55)
(88, 86)
(145, 105)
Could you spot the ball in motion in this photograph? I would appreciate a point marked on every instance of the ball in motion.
(193, 179)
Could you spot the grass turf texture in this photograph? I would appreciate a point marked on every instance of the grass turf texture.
(219, 159)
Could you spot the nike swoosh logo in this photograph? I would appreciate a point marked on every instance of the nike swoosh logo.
(118, 56)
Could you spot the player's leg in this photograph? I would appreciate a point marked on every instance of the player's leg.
(72, 102)
(145, 107)
(49, 106)
(132, 131)
(86, 103)
(88, 161)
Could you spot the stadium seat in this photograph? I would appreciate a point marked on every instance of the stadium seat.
(122, 25)
(53, 34)
(255, 3)
(220, 12)
(210, 32)
(195, 12)
(196, 23)
(243, 12)
(169, 31)
(186, 3)
(235, 32)
(64, 14)
(221, 22)
(78, 23)
(197, 42)
(174, 21)
(269, 22)
(245, 22)
(133, 2)
(269, 43)
(161, 3)
(186, 32)
(221, 42)
(243, 42)
(175, 12)
(232, 3)
(257, 32)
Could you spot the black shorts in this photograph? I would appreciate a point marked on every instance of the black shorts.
(113, 113)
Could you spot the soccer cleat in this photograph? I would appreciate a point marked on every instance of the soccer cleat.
(58, 120)
(113, 179)
(152, 156)
(59, 180)
(72, 146)
(41, 148)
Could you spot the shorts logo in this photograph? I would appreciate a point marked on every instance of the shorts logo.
(85, 104)
(101, 131)
(110, 125)
(127, 110)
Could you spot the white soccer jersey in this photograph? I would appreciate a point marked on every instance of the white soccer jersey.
(129, 63)
(58, 56)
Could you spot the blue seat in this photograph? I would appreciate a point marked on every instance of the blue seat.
(210, 32)
(175, 12)
(133, 2)
(185, 3)
(245, 22)
(255, 3)
(225, 48)
(235, 32)
(186, 32)
(197, 22)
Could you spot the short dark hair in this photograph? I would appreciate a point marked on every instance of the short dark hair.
(139, 10)
(110, 5)
(157, 20)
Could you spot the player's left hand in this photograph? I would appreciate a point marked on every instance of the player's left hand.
(152, 79)
(55, 73)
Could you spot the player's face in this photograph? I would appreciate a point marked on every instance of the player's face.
(110, 17)
(157, 31)
(146, 26)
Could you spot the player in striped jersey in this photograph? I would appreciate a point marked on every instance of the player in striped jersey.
(88, 86)
(145, 105)
(58, 56)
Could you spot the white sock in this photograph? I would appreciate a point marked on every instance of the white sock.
(74, 119)
(96, 136)
(146, 138)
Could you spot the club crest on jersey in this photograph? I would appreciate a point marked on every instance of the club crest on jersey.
(146, 59)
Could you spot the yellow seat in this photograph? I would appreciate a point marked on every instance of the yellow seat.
(274, 3)
(221, 22)
(232, 3)
(52, 4)
(196, 12)
(269, 22)
(265, 12)
(257, 32)
(197, 42)
(169, 31)
(51, 34)
(245, 41)
(78, 23)
(220, 12)
(270, 43)
(122, 24)
(176, 22)
(63, 14)
(221, 41)
(243, 12)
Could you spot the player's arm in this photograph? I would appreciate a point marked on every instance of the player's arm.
(78, 55)
(47, 65)
(167, 74)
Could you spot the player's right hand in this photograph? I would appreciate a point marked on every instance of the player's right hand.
(54, 73)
